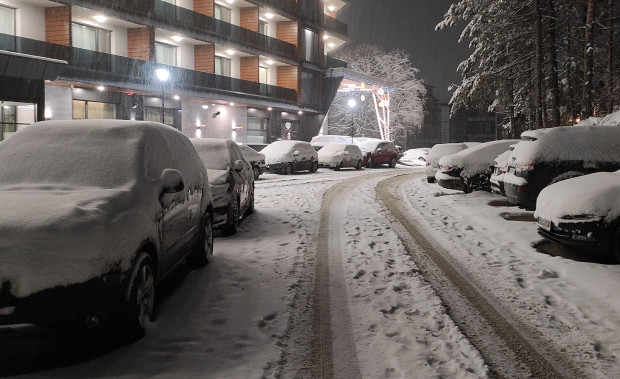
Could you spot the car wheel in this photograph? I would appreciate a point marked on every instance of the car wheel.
(359, 164)
(231, 228)
(288, 169)
(204, 249)
(393, 162)
(338, 166)
(430, 180)
(139, 299)
(369, 163)
(314, 167)
(256, 173)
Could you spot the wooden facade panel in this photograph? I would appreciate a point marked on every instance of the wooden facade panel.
(58, 25)
(204, 7)
(249, 68)
(249, 18)
(204, 58)
(141, 43)
(288, 31)
(288, 77)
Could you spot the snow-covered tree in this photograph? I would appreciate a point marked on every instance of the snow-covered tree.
(406, 101)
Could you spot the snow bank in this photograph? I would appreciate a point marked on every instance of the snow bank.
(595, 194)
(478, 159)
(79, 197)
(612, 119)
(570, 143)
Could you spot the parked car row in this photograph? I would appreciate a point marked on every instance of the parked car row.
(569, 175)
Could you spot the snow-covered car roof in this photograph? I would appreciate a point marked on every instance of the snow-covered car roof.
(335, 147)
(370, 145)
(502, 159)
(325, 139)
(442, 149)
(476, 159)
(279, 150)
(612, 119)
(595, 194)
(569, 143)
(214, 152)
(251, 154)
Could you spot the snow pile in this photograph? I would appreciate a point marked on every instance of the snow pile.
(612, 119)
(79, 197)
(574, 143)
(282, 151)
(595, 194)
(476, 160)
(214, 152)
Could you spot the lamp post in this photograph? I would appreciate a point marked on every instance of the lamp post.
(352, 103)
(162, 75)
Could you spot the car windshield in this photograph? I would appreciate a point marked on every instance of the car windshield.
(333, 148)
(214, 154)
(69, 157)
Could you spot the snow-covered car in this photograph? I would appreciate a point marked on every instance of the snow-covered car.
(438, 151)
(231, 180)
(547, 156)
(415, 157)
(470, 169)
(500, 166)
(337, 156)
(287, 156)
(92, 217)
(256, 159)
(582, 212)
(378, 152)
(319, 141)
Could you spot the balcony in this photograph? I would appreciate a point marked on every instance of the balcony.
(335, 26)
(195, 25)
(99, 68)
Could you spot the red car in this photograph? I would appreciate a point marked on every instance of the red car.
(378, 152)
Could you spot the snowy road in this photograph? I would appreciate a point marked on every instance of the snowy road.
(264, 307)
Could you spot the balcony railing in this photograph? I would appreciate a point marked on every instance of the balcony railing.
(335, 26)
(331, 62)
(91, 66)
(195, 25)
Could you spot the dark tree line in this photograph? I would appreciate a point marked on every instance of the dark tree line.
(540, 63)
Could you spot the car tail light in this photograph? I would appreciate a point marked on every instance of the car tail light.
(526, 166)
(427, 164)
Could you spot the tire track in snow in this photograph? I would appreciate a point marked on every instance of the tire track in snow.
(510, 349)
(332, 323)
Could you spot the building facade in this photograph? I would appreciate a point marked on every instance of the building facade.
(249, 70)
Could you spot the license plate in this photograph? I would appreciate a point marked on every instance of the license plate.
(545, 224)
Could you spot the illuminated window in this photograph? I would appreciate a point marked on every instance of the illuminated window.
(221, 13)
(91, 38)
(222, 66)
(7, 20)
(165, 54)
(93, 110)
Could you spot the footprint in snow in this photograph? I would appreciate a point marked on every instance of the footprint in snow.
(546, 274)
(359, 274)
(390, 311)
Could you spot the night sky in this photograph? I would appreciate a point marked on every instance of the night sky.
(410, 26)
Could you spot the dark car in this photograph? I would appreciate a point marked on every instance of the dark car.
(547, 156)
(256, 159)
(582, 212)
(231, 180)
(288, 156)
(378, 152)
(93, 214)
(470, 169)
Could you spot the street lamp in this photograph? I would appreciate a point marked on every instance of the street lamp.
(162, 75)
(352, 103)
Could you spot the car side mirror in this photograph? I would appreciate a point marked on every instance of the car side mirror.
(171, 181)
(296, 153)
(238, 165)
(346, 153)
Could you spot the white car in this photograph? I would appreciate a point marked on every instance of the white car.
(583, 212)
(470, 169)
(415, 157)
(438, 151)
(287, 156)
(321, 140)
(337, 156)
(93, 214)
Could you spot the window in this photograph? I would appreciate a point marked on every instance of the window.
(7, 20)
(308, 90)
(257, 130)
(222, 66)
(221, 13)
(91, 38)
(93, 110)
(311, 46)
(262, 74)
(262, 27)
(165, 54)
(154, 114)
(14, 116)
